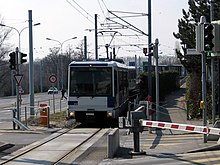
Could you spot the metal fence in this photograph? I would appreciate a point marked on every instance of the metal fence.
(41, 115)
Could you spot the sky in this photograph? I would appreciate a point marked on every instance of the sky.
(64, 19)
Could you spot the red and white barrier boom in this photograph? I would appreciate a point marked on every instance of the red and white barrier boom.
(180, 127)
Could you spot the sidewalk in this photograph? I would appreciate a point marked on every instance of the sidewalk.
(162, 141)
(175, 109)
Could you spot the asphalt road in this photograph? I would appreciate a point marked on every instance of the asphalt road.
(7, 104)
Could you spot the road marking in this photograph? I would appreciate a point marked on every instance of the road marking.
(175, 138)
(201, 155)
(180, 138)
(204, 160)
(163, 144)
(184, 135)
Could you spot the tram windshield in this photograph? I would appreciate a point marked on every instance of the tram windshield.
(92, 81)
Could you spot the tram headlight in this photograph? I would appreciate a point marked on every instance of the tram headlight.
(72, 114)
(109, 114)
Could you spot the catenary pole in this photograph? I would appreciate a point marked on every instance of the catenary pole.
(202, 21)
(149, 54)
(31, 71)
(157, 79)
(96, 38)
(85, 47)
(212, 18)
(41, 80)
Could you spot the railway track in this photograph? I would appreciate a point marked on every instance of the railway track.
(62, 147)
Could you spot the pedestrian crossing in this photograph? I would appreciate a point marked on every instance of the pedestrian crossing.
(170, 140)
(209, 157)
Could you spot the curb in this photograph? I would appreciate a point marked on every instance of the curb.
(32, 131)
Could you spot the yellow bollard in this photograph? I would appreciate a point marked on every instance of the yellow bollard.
(202, 105)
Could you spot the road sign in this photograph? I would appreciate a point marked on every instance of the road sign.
(192, 52)
(21, 90)
(53, 78)
(18, 78)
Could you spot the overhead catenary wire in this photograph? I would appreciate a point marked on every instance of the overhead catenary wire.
(86, 16)
(82, 9)
(108, 23)
(83, 12)
(130, 26)
(101, 9)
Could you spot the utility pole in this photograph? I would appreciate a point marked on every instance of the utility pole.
(85, 47)
(212, 18)
(157, 79)
(149, 54)
(203, 21)
(31, 71)
(41, 80)
(96, 38)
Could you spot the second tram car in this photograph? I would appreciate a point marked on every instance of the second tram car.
(97, 90)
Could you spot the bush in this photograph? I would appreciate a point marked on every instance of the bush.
(168, 82)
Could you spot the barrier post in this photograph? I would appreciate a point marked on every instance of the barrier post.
(136, 128)
(60, 105)
(132, 121)
(48, 117)
(25, 113)
(136, 136)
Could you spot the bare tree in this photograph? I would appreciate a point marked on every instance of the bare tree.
(4, 71)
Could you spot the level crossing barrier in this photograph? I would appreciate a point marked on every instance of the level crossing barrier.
(180, 127)
(139, 118)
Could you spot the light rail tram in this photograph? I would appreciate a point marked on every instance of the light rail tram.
(97, 90)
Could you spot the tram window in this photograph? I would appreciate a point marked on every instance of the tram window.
(103, 81)
(90, 81)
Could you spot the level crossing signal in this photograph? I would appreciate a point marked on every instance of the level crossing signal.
(12, 60)
(208, 38)
(22, 58)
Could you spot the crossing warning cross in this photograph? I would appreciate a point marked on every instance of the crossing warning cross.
(18, 78)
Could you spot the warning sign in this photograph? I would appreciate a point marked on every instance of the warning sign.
(18, 78)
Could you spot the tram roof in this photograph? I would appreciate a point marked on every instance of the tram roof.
(97, 63)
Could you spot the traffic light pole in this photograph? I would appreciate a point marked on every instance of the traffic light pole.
(204, 93)
(213, 68)
(17, 87)
(201, 48)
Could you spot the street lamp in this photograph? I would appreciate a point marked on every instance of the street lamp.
(17, 50)
(19, 42)
(61, 49)
(19, 32)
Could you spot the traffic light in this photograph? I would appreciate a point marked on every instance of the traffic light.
(12, 60)
(21, 58)
(145, 51)
(208, 38)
